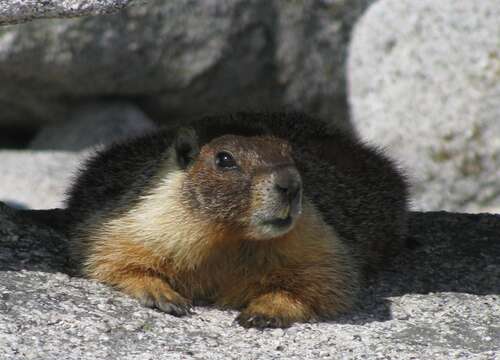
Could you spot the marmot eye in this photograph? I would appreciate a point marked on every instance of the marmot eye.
(225, 160)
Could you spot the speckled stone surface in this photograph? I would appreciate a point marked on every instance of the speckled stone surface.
(16, 11)
(36, 179)
(182, 58)
(424, 81)
(438, 301)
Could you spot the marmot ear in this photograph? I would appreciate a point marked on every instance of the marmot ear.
(186, 146)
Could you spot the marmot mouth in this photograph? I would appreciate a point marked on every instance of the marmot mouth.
(280, 222)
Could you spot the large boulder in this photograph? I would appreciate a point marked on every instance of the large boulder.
(181, 59)
(16, 11)
(424, 80)
(439, 301)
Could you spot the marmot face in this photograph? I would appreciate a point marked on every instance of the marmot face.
(250, 184)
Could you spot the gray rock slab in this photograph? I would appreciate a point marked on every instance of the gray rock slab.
(424, 80)
(438, 301)
(36, 179)
(17, 11)
(181, 59)
(91, 125)
(39, 178)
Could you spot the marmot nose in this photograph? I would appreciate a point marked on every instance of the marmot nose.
(289, 184)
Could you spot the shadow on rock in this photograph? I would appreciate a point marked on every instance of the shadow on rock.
(454, 253)
(26, 243)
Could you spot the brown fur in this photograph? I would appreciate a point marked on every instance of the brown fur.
(300, 276)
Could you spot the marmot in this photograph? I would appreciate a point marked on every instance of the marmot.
(276, 215)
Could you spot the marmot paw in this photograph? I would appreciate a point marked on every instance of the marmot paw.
(160, 302)
(261, 321)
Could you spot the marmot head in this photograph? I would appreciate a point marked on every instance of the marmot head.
(247, 183)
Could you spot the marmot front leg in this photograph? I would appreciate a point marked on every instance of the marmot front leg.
(277, 309)
(301, 293)
(154, 292)
(134, 269)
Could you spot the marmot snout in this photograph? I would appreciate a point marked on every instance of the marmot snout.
(277, 202)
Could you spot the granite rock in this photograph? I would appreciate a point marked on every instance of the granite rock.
(440, 301)
(180, 59)
(424, 81)
(37, 179)
(17, 11)
(93, 125)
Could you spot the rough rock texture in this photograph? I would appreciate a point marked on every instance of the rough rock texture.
(424, 79)
(181, 59)
(38, 179)
(16, 11)
(439, 301)
(93, 125)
